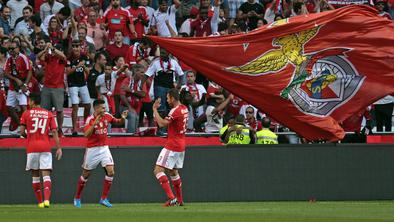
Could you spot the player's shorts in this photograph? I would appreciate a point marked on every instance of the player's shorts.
(77, 92)
(15, 98)
(170, 159)
(52, 97)
(39, 161)
(97, 155)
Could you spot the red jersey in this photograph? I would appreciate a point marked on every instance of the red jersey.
(115, 51)
(135, 54)
(235, 105)
(139, 27)
(81, 14)
(254, 124)
(38, 122)
(177, 117)
(117, 19)
(18, 67)
(100, 132)
(54, 72)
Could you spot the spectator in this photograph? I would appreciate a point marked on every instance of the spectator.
(77, 70)
(18, 70)
(205, 25)
(62, 18)
(55, 32)
(87, 46)
(81, 13)
(118, 19)
(239, 133)
(3, 91)
(384, 113)
(216, 104)
(198, 93)
(165, 14)
(250, 118)
(105, 85)
(138, 53)
(16, 8)
(149, 11)
(166, 71)
(118, 48)
(22, 26)
(122, 73)
(382, 7)
(136, 93)
(252, 11)
(35, 23)
(265, 135)
(52, 94)
(233, 6)
(5, 28)
(96, 31)
(139, 18)
(98, 68)
(50, 7)
(186, 25)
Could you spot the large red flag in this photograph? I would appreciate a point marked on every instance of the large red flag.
(308, 72)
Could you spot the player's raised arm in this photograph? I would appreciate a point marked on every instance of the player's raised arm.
(160, 121)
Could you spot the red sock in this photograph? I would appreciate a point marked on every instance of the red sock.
(106, 187)
(37, 189)
(165, 184)
(81, 184)
(177, 184)
(47, 187)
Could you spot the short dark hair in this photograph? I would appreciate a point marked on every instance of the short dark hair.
(98, 102)
(98, 56)
(163, 1)
(137, 66)
(65, 11)
(28, 7)
(174, 93)
(240, 119)
(35, 98)
(3, 50)
(36, 20)
(266, 122)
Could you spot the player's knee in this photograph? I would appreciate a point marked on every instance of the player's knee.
(111, 173)
(157, 170)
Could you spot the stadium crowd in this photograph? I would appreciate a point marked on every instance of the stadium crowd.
(77, 51)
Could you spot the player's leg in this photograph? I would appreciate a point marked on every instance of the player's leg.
(164, 161)
(107, 163)
(90, 162)
(46, 178)
(32, 165)
(36, 184)
(176, 178)
(74, 104)
(46, 168)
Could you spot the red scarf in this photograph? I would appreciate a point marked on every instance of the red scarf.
(162, 65)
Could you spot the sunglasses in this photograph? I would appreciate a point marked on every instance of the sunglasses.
(249, 112)
(12, 48)
(75, 46)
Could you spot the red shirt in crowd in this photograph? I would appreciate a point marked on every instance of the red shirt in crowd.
(18, 67)
(177, 117)
(54, 72)
(120, 79)
(235, 105)
(254, 124)
(38, 122)
(81, 14)
(139, 27)
(115, 51)
(134, 54)
(37, 5)
(201, 27)
(100, 132)
(117, 19)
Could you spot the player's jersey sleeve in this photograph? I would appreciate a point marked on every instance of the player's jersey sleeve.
(89, 122)
(173, 114)
(111, 119)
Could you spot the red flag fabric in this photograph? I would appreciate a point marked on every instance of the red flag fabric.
(308, 72)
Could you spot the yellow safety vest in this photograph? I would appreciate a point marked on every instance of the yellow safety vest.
(222, 130)
(242, 138)
(266, 136)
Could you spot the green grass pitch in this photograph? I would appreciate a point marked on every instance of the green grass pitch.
(361, 211)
